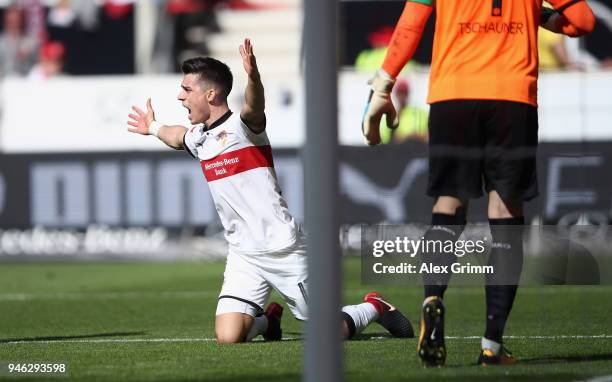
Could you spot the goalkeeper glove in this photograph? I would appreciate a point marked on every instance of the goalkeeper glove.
(379, 103)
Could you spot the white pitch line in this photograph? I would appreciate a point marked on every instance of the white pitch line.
(153, 340)
(129, 295)
(476, 290)
(601, 378)
(561, 337)
(105, 295)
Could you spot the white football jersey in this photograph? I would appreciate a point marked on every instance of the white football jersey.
(238, 166)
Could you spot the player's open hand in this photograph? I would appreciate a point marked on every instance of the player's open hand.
(141, 120)
(248, 58)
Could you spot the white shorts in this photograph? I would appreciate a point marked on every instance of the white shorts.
(249, 279)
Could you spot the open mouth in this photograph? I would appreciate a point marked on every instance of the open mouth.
(188, 110)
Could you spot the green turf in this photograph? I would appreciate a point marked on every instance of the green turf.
(70, 312)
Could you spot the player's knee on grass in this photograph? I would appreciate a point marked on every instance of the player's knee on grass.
(232, 328)
(348, 326)
(346, 333)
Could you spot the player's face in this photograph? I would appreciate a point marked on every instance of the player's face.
(195, 98)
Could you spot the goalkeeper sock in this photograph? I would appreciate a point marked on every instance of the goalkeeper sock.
(500, 299)
(506, 257)
(494, 346)
(361, 315)
(443, 228)
(260, 325)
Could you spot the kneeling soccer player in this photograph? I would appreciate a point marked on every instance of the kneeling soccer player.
(266, 247)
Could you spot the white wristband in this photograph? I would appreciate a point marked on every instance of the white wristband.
(154, 128)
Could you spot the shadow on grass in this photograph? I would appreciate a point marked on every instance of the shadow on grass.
(545, 360)
(569, 358)
(75, 337)
(359, 337)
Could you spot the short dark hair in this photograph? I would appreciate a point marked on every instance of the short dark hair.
(211, 70)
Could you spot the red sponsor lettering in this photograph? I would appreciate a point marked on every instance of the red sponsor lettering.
(237, 161)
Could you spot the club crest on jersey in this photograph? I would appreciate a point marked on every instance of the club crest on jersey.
(222, 138)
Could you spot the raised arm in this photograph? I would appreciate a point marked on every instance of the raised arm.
(573, 18)
(145, 124)
(253, 111)
(404, 42)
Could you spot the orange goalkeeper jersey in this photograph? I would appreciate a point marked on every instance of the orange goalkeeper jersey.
(485, 49)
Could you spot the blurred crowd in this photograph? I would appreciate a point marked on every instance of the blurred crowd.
(44, 38)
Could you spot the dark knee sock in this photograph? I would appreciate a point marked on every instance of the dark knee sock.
(443, 228)
(506, 257)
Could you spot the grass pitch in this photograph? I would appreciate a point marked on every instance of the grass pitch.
(154, 322)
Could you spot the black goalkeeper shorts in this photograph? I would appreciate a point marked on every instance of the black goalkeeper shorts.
(476, 143)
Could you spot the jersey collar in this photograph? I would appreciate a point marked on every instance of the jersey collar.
(219, 121)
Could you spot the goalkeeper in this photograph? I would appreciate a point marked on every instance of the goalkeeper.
(483, 134)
